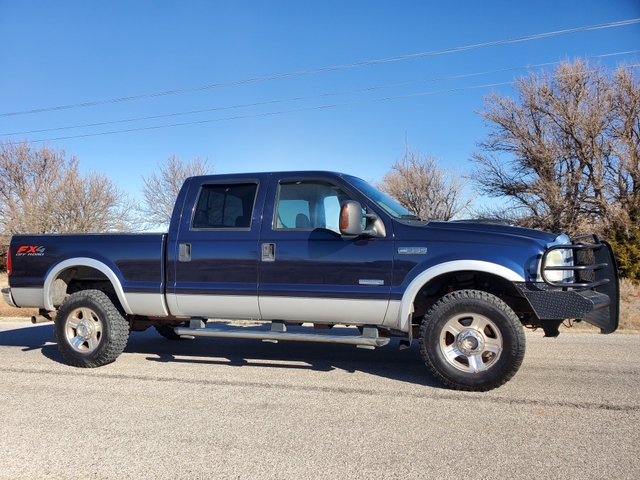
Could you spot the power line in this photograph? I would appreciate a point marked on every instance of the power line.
(331, 68)
(269, 102)
(282, 112)
(308, 97)
(265, 114)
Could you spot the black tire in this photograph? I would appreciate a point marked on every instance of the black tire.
(167, 331)
(90, 330)
(471, 340)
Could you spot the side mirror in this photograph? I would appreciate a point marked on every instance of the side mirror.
(351, 218)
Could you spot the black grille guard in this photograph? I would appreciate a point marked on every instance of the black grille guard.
(587, 261)
(594, 296)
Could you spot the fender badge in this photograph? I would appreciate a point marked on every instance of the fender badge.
(412, 250)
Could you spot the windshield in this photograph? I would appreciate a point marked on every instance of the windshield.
(389, 205)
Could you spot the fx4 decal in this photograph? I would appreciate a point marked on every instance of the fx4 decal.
(31, 251)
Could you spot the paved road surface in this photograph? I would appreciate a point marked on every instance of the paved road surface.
(213, 408)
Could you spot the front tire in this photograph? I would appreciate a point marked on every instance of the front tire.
(471, 340)
(90, 330)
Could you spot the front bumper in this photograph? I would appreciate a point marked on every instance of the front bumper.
(599, 305)
(550, 303)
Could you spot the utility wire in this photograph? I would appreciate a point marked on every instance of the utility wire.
(281, 112)
(294, 99)
(265, 114)
(331, 68)
(270, 102)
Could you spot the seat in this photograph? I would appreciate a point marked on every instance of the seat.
(302, 221)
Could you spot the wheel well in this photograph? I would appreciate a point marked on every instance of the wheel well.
(78, 278)
(449, 282)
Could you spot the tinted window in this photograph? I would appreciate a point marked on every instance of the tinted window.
(225, 206)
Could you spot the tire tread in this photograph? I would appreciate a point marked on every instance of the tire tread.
(517, 348)
(117, 326)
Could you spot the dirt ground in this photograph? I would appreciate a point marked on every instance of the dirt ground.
(629, 310)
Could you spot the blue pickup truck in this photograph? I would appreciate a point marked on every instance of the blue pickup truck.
(301, 252)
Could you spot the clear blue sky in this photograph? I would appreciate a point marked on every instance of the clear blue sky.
(58, 53)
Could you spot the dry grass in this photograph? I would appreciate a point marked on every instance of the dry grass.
(629, 309)
(629, 305)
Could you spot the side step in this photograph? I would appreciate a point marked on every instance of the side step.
(369, 338)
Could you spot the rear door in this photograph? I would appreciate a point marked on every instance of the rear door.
(213, 262)
(307, 270)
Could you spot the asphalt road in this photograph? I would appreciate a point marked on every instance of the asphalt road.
(240, 409)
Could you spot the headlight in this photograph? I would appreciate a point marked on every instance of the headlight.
(554, 259)
(559, 258)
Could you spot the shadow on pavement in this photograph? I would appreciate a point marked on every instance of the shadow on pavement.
(389, 361)
(33, 337)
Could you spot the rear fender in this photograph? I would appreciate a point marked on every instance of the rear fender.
(83, 262)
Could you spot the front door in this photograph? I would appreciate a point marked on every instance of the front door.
(307, 270)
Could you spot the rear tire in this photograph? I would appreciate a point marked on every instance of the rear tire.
(471, 340)
(90, 330)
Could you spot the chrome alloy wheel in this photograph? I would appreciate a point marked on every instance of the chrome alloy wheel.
(83, 330)
(471, 342)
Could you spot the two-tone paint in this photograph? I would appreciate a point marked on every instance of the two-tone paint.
(133, 264)
(261, 272)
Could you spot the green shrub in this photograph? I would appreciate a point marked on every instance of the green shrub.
(626, 247)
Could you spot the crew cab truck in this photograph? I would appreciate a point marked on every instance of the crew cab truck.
(317, 249)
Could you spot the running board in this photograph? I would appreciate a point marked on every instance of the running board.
(368, 340)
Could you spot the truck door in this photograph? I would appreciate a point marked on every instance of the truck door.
(307, 270)
(213, 261)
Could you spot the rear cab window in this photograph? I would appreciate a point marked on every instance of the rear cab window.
(224, 206)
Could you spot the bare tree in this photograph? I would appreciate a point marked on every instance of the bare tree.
(161, 190)
(423, 187)
(43, 191)
(562, 152)
(626, 136)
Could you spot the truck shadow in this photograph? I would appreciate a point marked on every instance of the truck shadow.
(390, 362)
(33, 337)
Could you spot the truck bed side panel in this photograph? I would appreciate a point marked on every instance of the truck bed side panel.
(132, 262)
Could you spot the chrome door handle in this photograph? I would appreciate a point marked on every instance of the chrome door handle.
(184, 252)
(268, 252)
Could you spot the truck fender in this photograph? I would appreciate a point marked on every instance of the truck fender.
(83, 262)
(406, 308)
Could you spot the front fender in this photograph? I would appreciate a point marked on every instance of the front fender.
(406, 305)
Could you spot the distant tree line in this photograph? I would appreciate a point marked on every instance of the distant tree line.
(562, 154)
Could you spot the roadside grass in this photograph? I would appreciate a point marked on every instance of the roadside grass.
(629, 309)
(629, 305)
